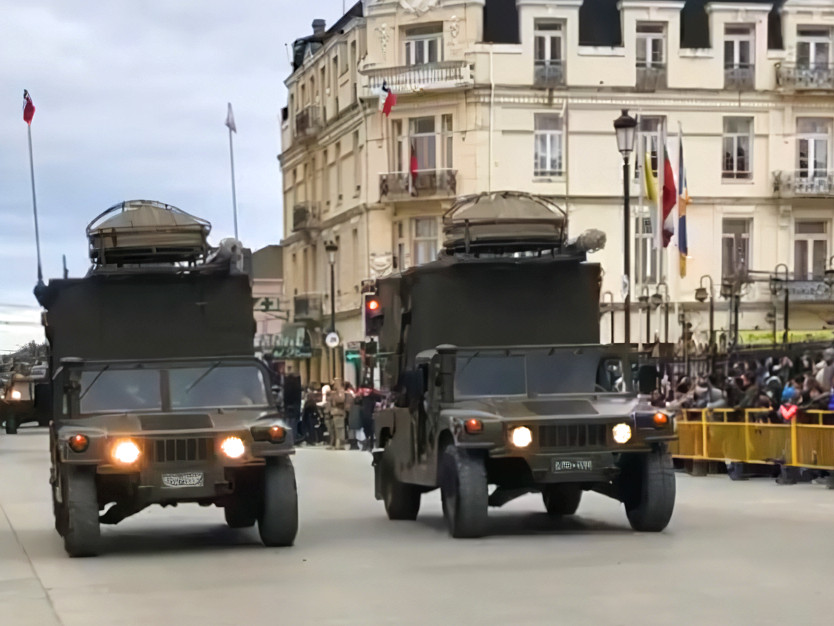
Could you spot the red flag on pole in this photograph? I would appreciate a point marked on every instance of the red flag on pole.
(413, 169)
(389, 101)
(28, 108)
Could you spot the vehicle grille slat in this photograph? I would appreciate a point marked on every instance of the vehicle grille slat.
(178, 450)
(569, 436)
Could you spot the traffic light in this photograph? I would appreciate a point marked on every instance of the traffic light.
(373, 314)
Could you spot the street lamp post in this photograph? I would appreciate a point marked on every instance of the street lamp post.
(610, 303)
(701, 295)
(625, 128)
(775, 287)
(771, 319)
(644, 300)
(331, 248)
(731, 290)
(662, 298)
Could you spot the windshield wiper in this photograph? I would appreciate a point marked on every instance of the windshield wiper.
(201, 377)
(93, 382)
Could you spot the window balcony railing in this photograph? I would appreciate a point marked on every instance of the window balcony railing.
(307, 306)
(740, 77)
(549, 74)
(801, 76)
(651, 77)
(308, 122)
(423, 183)
(305, 215)
(804, 183)
(417, 78)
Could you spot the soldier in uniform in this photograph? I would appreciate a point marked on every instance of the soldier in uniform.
(337, 405)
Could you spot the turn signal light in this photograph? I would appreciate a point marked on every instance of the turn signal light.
(473, 426)
(660, 419)
(79, 443)
(277, 434)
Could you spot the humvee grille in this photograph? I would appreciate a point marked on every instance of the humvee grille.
(573, 435)
(175, 450)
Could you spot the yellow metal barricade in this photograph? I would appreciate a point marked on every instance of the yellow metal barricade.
(749, 436)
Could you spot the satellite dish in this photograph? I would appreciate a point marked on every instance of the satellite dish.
(332, 339)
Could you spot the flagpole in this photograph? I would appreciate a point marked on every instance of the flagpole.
(234, 196)
(34, 203)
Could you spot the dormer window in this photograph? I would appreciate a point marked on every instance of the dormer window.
(651, 45)
(548, 53)
(424, 45)
(738, 57)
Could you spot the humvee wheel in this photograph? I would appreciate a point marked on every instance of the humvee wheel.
(402, 500)
(79, 512)
(464, 493)
(11, 425)
(649, 495)
(561, 499)
(278, 521)
(240, 515)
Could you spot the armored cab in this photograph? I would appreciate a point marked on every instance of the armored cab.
(500, 382)
(156, 395)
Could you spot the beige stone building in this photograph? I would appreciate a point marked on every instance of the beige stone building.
(522, 94)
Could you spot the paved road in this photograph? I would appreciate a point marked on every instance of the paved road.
(749, 552)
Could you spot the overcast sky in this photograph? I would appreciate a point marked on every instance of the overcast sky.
(131, 102)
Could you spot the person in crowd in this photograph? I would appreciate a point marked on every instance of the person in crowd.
(337, 404)
(292, 404)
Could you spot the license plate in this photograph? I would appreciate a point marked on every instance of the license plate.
(188, 479)
(573, 465)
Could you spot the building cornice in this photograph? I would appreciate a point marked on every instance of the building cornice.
(342, 37)
(657, 5)
(555, 4)
(737, 7)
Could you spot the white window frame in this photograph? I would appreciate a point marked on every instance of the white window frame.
(730, 236)
(645, 253)
(647, 34)
(736, 139)
(809, 240)
(738, 34)
(545, 31)
(810, 139)
(823, 37)
(406, 241)
(649, 131)
(419, 44)
(547, 144)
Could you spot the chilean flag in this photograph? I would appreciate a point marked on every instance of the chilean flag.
(28, 108)
(387, 103)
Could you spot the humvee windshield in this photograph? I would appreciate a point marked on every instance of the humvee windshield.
(215, 385)
(536, 372)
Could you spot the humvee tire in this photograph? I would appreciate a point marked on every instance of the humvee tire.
(650, 492)
(240, 514)
(561, 499)
(81, 529)
(402, 500)
(464, 493)
(11, 425)
(278, 520)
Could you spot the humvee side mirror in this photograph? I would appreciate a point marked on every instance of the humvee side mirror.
(646, 379)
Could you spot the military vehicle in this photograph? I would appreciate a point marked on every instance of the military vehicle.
(22, 400)
(156, 395)
(493, 352)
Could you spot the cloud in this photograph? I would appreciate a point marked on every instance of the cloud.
(131, 99)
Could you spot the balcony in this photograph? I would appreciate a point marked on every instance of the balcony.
(549, 74)
(305, 216)
(740, 77)
(793, 76)
(804, 184)
(651, 77)
(424, 183)
(405, 79)
(307, 307)
(308, 122)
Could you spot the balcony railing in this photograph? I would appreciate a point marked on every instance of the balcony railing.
(740, 77)
(307, 307)
(651, 77)
(804, 183)
(308, 122)
(304, 215)
(795, 76)
(549, 74)
(421, 184)
(417, 78)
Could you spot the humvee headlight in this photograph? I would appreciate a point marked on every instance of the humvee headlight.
(16, 394)
(126, 452)
(233, 447)
(621, 433)
(521, 437)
